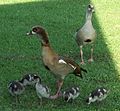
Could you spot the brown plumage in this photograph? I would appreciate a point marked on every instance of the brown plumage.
(60, 66)
(86, 34)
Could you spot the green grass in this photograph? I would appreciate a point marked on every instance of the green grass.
(61, 18)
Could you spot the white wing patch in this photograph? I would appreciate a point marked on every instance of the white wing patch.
(72, 66)
(62, 61)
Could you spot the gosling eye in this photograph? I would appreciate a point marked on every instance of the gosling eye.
(66, 98)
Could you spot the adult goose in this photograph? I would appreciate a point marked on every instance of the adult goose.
(86, 34)
(60, 66)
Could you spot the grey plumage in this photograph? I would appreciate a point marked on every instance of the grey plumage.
(86, 34)
(97, 95)
(42, 90)
(71, 94)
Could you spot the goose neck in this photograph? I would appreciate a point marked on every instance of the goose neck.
(88, 15)
(44, 37)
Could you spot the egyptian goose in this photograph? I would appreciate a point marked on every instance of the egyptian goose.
(59, 65)
(16, 88)
(98, 94)
(42, 90)
(71, 94)
(30, 79)
(86, 34)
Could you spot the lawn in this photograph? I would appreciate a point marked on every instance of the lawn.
(20, 55)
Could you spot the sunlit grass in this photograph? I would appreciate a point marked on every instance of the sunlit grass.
(108, 14)
(3, 2)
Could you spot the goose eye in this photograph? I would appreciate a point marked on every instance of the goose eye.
(34, 29)
(89, 6)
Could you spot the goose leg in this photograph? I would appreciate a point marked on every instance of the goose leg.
(91, 56)
(81, 55)
(60, 83)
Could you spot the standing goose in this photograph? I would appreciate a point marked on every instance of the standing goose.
(60, 66)
(86, 34)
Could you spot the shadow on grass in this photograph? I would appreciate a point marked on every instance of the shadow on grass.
(61, 19)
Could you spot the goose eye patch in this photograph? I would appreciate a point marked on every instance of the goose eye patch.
(34, 29)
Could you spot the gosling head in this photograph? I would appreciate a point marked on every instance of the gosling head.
(37, 79)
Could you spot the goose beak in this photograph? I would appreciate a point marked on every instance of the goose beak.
(93, 11)
(29, 33)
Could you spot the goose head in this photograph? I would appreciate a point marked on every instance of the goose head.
(38, 30)
(90, 8)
